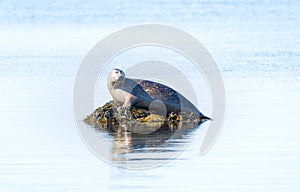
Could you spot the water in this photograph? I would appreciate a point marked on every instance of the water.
(255, 44)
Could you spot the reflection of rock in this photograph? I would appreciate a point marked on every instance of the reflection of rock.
(127, 141)
(122, 143)
(139, 135)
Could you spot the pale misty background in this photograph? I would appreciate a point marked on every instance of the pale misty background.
(256, 45)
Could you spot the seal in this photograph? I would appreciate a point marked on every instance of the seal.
(144, 94)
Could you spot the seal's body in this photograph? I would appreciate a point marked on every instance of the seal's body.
(147, 95)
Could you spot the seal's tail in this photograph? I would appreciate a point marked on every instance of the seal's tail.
(203, 118)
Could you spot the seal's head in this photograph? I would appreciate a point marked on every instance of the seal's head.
(116, 78)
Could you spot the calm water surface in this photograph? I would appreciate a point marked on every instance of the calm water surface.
(256, 46)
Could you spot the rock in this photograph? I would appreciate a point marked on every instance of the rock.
(108, 116)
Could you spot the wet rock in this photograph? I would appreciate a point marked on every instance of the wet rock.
(108, 116)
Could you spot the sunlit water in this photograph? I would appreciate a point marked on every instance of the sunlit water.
(255, 45)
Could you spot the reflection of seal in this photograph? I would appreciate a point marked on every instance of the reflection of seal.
(147, 95)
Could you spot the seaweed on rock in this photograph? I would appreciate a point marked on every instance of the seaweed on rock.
(108, 117)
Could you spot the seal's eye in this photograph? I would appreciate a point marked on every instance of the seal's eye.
(117, 72)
